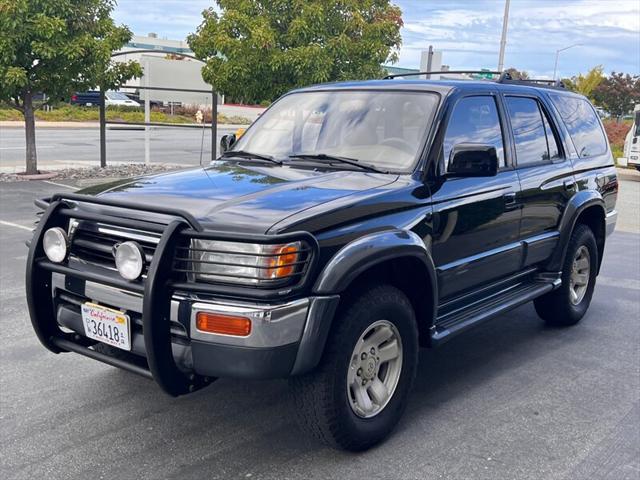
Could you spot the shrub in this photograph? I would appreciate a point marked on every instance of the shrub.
(74, 113)
(616, 133)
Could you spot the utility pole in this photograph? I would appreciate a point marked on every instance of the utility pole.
(503, 39)
(429, 61)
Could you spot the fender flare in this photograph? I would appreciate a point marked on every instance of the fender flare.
(344, 267)
(370, 250)
(578, 204)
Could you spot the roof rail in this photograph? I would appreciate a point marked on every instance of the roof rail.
(414, 74)
(505, 77)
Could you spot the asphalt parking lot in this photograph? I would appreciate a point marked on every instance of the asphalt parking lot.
(510, 400)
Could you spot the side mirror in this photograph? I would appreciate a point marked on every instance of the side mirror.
(227, 141)
(473, 160)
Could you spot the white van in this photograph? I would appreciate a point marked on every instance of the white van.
(631, 143)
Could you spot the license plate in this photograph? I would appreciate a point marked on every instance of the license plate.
(106, 325)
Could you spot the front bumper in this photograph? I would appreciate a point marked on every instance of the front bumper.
(283, 336)
(161, 303)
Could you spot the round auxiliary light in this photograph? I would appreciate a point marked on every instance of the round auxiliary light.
(129, 260)
(54, 243)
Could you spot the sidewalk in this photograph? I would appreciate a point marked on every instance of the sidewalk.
(82, 125)
(18, 124)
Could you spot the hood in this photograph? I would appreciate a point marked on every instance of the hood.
(243, 198)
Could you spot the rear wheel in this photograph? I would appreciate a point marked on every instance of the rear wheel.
(359, 391)
(568, 304)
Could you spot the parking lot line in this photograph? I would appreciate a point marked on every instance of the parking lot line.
(59, 184)
(15, 225)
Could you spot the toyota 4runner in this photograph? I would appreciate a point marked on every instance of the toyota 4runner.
(349, 225)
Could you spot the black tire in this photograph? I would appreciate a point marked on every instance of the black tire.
(556, 308)
(321, 399)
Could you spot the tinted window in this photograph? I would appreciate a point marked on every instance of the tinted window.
(529, 131)
(474, 120)
(583, 124)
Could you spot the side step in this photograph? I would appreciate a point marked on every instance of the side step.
(453, 323)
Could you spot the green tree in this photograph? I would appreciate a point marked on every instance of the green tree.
(618, 93)
(257, 50)
(57, 47)
(517, 74)
(587, 83)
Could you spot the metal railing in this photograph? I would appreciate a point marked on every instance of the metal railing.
(147, 112)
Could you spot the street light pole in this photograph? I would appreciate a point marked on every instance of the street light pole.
(503, 39)
(555, 66)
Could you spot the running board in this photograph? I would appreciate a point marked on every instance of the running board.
(456, 322)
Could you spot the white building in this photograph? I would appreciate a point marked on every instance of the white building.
(167, 67)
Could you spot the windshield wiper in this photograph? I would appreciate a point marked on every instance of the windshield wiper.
(335, 158)
(250, 155)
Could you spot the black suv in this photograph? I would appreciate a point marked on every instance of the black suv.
(350, 224)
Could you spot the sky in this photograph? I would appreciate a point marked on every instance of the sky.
(468, 31)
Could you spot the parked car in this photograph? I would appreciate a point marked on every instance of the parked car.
(349, 225)
(153, 104)
(92, 98)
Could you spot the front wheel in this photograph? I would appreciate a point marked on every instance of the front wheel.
(568, 304)
(359, 391)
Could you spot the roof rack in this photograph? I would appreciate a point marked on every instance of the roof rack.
(536, 82)
(435, 72)
(504, 77)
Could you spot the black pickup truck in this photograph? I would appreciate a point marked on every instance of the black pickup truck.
(351, 224)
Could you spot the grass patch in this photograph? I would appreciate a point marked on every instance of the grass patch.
(72, 113)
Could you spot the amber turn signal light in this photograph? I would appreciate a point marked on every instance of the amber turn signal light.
(223, 324)
(283, 263)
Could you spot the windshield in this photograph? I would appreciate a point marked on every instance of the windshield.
(117, 96)
(382, 129)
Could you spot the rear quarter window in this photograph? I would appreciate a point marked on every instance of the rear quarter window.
(582, 123)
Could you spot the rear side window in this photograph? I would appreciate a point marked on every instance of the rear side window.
(474, 120)
(583, 124)
(532, 132)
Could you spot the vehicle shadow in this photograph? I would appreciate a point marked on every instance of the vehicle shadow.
(231, 421)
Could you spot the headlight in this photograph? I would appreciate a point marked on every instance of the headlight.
(129, 260)
(245, 263)
(54, 243)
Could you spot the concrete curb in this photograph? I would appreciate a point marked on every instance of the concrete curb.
(628, 173)
(51, 168)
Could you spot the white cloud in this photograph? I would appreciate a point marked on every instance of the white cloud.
(467, 31)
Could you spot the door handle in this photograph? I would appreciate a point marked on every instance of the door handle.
(510, 200)
(570, 185)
